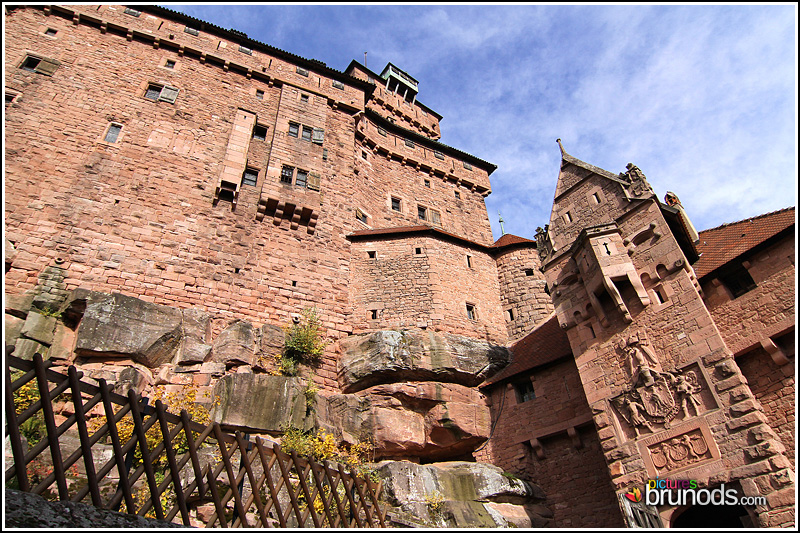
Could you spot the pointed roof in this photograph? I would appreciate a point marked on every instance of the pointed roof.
(725, 243)
(508, 239)
(545, 344)
(563, 185)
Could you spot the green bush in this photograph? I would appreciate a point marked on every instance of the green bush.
(303, 343)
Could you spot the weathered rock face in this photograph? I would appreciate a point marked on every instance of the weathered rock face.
(460, 494)
(196, 331)
(261, 402)
(128, 327)
(427, 419)
(235, 344)
(397, 356)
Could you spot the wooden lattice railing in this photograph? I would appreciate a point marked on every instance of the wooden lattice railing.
(162, 465)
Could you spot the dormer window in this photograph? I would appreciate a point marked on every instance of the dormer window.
(400, 83)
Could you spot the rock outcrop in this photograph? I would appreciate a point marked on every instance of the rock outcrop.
(460, 494)
(400, 356)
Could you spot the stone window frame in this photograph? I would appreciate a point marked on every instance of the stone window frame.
(307, 133)
(410, 144)
(50, 32)
(457, 194)
(298, 182)
(398, 201)
(302, 71)
(245, 50)
(120, 134)
(166, 93)
(304, 98)
(294, 129)
(287, 171)
(257, 128)
(467, 165)
(39, 64)
(260, 94)
(191, 31)
(337, 85)
(524, 391)
(169, 63)
(472, 311)
(250, 177)
(362, 216)
(11, 96)
(132, 12)
(469, 262)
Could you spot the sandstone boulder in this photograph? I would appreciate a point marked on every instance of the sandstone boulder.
(236, 344)
(427, 419)
(460, 494)
(196, 332)
(261, 402)
(396, 356)
(123, 326)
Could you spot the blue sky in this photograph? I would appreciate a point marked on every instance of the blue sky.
(702, 98)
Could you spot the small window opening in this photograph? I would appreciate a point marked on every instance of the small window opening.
(169, 63)
(529, 272)
(418, 251)
(373, 314)
(591, 331)
(304, 98)
(250, 177)
(338, 85)
(409, 143)
(427, 183)
(294, 129)
(524, 391)
(294, 283)
(469, 261)
(361, 216)
(660, 297)
(324, 154)
(510, 315)
(458, 194)
(596, 198)
(113, 133)
(467, 166)
(422, 213)
(259, 94)
(10, 98)
(737, 279)
(132, 12)
(471, 312)
(382, 131)
(30, 63)
(371, 254)
(395, 204)
(50, 32)
(438, 155)
(286, 174)
(191, 31)
(435, 218)
(302, 178)
(260, 133)
(568, 217)
(302, 71)
(307, 133)
(236, 270)
(363, 155)
(245, 50)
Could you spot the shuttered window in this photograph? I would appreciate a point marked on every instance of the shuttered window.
(40, 65)
(313, 181)
(161, 93)
(302, 178)
(318, 136)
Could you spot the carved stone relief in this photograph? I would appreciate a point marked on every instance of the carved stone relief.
(638, 187)
(682, 447)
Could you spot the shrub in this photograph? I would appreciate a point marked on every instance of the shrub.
(304, 343)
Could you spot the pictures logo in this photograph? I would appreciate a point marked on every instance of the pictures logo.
(635, 495)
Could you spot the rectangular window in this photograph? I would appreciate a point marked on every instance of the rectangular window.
(245, 50)
(382, 131)
(304, 98)
(510, 315)
(737, 279)
(472, 313)
(360, 215)
(307, 133)
(302, 71)
(422, 213)
(435, 219)
(324, 154)
(113, 133)
(286, 174)
(427, 183)
(10, 98)
(161, 93)
(132, 12)
(438, 155)
(250, 177)
(409, 143)
(395, 204)
(318, 136)
(260, 133)
(302, 178)
(469, 261)
(40, 65)
(259, 94)
(467, 166)
(314, 181)
(458, 194)
(294, 129)
(169, 63)
(191, 31)
(568, 217)
(30, 63)
(338, 85)
(524, 391)
(50, 32)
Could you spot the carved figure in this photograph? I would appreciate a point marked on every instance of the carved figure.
(638, 183)
(635, 416)
(639, 358)
(687, 389)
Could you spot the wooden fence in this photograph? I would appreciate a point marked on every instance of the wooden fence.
(146, 461)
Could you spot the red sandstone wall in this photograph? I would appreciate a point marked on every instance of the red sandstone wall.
(425, 282)
(522, 287)
(575, 479)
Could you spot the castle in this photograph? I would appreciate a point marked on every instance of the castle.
(220, 182)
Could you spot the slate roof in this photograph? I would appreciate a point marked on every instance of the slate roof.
(725, 243)
(545, 344)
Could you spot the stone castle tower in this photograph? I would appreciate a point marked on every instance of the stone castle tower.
(177, 192)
